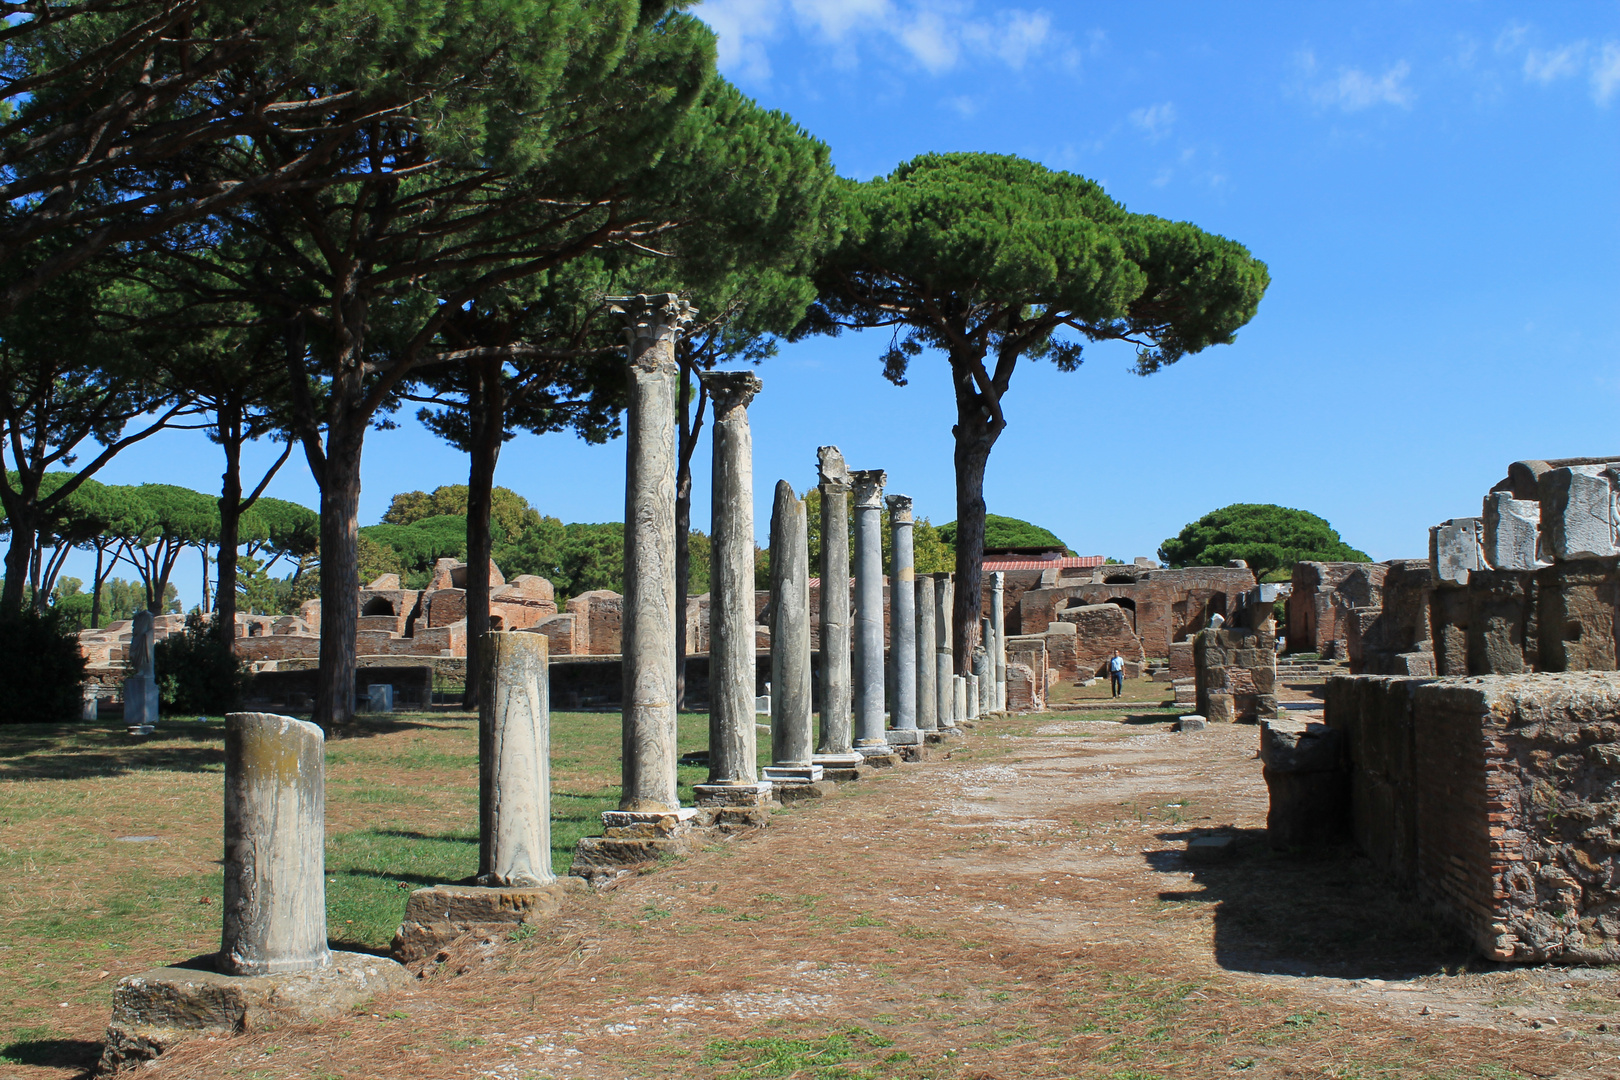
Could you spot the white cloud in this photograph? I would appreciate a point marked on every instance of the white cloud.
(834, 19)
(938, 35)
(1606, 73)
(1511, 37)
(932, 41)
(1354, 89)
(1545, 65)
(965, 106)
(1155, 120)
(743, 27)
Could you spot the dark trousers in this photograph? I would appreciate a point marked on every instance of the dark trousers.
(1117, 680)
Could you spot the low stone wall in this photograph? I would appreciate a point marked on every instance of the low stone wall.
(1499, 796)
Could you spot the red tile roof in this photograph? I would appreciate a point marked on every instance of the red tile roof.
(1075, 562)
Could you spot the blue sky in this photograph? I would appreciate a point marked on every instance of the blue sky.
(1435, 187)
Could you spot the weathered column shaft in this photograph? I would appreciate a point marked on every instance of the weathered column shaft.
(972, 696)
(959, 697)
(650, 604)
(836, 736)
(733, 743)
(869, 608)
(998, 649)
(943, 670)
(790, 631)
(902, 613)
(927, 693)
(979, 703)
(514, 761)
(275, 846)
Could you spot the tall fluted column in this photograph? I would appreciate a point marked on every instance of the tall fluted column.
(790, 641)
(869, 733)
(943, 669)
(514, 761)
(837, 742)
(902, 621)
(733, 742)
(650, 604)
(927, 694)
(998, 644)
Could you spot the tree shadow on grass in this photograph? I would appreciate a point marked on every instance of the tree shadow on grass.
(408, 834)
(54, 1054)
(394, 875)
(1328, 913)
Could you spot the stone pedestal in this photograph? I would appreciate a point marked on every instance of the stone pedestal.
(514, 761)
(632, 840)
(275, 854)
(650, 605)
(902, 613)
(868, 659)
(905, 736)
(787, 775)
(733, 740)
(757, 794)
(944, 663)
(438, 915)
(157, 1009)
(837, 737)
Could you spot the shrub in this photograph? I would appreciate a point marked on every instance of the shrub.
(48, 671)
(196, 672)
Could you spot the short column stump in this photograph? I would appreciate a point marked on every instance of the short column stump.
(437, 915)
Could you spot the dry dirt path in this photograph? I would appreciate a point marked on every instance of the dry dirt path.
(1020, 908)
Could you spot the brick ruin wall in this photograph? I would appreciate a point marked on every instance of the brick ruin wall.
(1166, 606)
(1499, 797)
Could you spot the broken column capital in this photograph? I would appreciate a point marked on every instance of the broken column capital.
(834, 473)
(730, 390)
(899, 509)
(653, 320)
(868, 484)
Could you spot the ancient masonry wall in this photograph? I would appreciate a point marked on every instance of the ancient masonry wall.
(1496, 795)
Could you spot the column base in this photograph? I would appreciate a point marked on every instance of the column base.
(844, 775)
(849, 759)
(875, 750)
(624, 819)
(818, 789)
(157, 1009)
(793, 774)
(904, 736)
(437, 915)
(732, 794)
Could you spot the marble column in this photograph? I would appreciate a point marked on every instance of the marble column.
(959, 698)
(141, 689)
(275, 846)
(998, 648)
(514, 761)
(790, 642)
(943, 663)
(650, 604)
(927, 694)
(836, 748)
(978, 700)
(733, 740)
(870, 737)
(902, 622)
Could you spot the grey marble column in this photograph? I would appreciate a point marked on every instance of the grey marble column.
(978, 699)
(275, 846)
(927, 693)
(650, 607)
(943, 669)
(790, 639)
(959, 689)
(902, 620)
(868, 666)
(836, 747)
(514, 761)
(998, 645)
(733, 741)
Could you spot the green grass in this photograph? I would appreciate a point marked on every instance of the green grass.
(851, 1054)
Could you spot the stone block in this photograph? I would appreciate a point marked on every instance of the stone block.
(1191, 722)
(1577, 512)
(1512, 532)
(1456, 548)
(846, 775)
(1208, 849)
(790, 793)
(438, 915)
(751, 795)
(157, 1009)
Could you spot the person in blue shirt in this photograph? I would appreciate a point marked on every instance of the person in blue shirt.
(1116, 674)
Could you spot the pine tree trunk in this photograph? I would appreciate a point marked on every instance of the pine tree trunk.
(340, 575)
(230, 521)
(19, 556)
(975, 434)
(486, 412)
(95, 590)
